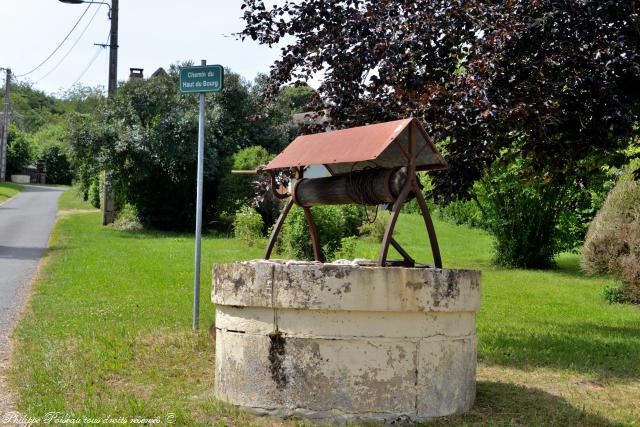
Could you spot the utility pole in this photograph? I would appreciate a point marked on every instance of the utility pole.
(109, 194)
(5, 127)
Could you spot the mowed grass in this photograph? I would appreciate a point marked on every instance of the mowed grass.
(71, 199)
(109, 325)
(8, 190)
(551, 350)
(108, 332)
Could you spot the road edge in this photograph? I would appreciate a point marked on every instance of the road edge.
(9, 415)
(10, 198)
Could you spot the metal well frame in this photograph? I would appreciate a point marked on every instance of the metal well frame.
(410, 189)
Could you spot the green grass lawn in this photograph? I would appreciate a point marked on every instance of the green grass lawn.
(72, 200)
(8, 190)
(109, 332)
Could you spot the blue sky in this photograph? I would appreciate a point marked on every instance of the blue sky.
(152, 33)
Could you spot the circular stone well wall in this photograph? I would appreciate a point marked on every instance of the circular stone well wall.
(342, 342)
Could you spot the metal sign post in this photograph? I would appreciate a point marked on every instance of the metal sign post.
(200, 80)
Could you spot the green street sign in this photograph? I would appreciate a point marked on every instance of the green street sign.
(203, 78)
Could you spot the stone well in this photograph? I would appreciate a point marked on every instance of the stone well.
(344, 342)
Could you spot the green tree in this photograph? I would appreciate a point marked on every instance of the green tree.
(147, 136)
(234, 190)
(57, 165)
(87, 142)
(556, 78)
(276, 113)
(31, 108)
(290, 100)
(50, 133)
(82, 99)
(20, 151)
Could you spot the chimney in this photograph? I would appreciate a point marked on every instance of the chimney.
(136, 73)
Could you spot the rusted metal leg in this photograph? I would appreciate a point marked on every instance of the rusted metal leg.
(409, 262)
(317, 252)
(277, 228)
(388, 234)
(435, 249)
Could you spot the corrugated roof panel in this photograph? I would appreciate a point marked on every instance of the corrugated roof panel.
(344, 148)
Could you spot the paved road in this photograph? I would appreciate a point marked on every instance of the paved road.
(25, 225)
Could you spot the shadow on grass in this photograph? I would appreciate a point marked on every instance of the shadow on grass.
(593, 345)
(569, 267)
(565, 267)
(602, 350)
(500, 404)
(162, 234)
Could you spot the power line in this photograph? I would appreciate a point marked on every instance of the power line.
(60, 45)
(99, 51)
(72, 47)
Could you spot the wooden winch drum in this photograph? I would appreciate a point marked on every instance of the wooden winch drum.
(366, 187)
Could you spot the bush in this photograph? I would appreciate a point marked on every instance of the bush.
(247, 226)
(612, 244)
(234, 190)
(94, 195)
(332, 222)
(353, 216)
(462, 212)
(613, 294)
(522, 214)
(375, 229)
(127, 220)
(57, 164)
(411, 207)
(347, 248)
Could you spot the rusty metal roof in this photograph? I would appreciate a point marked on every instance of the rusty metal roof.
(346, 150)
